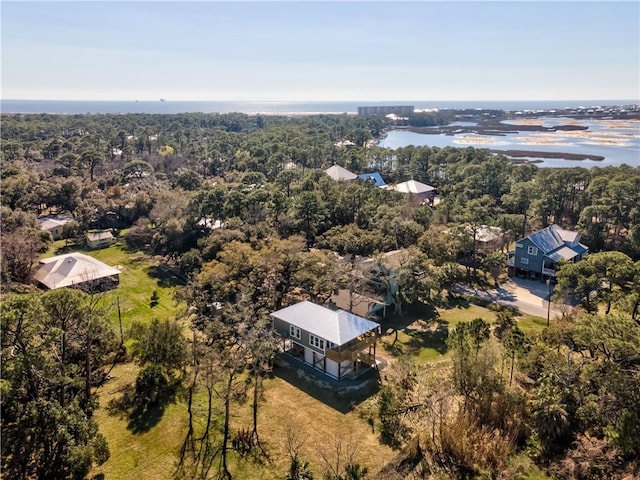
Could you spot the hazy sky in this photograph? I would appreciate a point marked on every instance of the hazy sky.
(343, 50)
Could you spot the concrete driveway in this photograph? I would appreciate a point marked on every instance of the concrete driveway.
(529, 296)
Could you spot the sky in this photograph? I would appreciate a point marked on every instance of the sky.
(320, 51)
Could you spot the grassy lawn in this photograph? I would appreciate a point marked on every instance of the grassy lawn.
(423, 337)
(146, 454)
(152, 452)
(532, 325)
(141, 275)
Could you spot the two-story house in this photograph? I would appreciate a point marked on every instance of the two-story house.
(334, 342)
(538, 254)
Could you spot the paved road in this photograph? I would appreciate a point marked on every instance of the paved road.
(528, 296)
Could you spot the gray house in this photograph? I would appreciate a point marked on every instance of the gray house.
(337, 343)
(538, 254)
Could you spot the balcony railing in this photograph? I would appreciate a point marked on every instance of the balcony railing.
(359, 350)
(549, 272)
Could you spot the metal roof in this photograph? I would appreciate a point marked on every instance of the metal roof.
(99, 235)
(336, 326)
(49, 223)
(553, 237)
(412, 186)
(375, 177)
(562, 253)
(546, 240)
(71, 269)
(340, 174)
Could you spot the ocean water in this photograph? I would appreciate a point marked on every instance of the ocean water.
(273, 108)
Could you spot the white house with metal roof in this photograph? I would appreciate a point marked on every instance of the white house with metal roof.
(335, 342)
(100, 239)
(75, 270)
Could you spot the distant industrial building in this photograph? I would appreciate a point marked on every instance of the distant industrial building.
(400, 110)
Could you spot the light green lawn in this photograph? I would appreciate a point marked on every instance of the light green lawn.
(139, 278)
(532, 325)
(424, 339)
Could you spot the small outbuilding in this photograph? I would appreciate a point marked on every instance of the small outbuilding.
(76, 270)
(100, 239)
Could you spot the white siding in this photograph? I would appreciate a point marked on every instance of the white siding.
(332, 368)
(308, 355)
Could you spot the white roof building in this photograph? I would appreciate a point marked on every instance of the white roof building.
(340, 174)
(54, 224)
(415, 187)
(336, 326)
(72, 269)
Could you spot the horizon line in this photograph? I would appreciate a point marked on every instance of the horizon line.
(314, 101)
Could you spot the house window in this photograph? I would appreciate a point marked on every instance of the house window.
(518, 245)
(316, 342)
(524, 261)
(294, 332)
(532, 250)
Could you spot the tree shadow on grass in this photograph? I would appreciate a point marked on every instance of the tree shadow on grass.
(457, 302)
(433, 336)
(142, 415)
(423, 327)
(165, 277)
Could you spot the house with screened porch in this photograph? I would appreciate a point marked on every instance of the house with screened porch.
(334, 342)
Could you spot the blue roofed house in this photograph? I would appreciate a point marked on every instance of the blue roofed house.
(538, 254)
(334, 342)
(374, 177)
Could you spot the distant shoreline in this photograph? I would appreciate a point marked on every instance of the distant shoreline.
(74, 107)
(537, 154)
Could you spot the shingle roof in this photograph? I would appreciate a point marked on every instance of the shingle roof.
(71, 269)
(336, 326)
(340, 174)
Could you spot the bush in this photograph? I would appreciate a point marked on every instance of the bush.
(150, 385)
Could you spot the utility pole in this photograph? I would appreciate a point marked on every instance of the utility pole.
(548, 300)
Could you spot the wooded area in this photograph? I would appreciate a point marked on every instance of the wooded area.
(239, 209)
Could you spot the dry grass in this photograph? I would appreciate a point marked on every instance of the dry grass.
(316, 422)
(153, 453)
